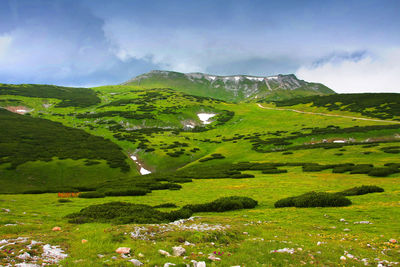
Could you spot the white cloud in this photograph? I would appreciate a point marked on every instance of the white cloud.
(376, 72)
(5, 43)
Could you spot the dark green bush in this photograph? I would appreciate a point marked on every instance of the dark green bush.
(273, 171)
(241, 176)
(64, 200)
(127, 192)
(361, 190)
(93, 194)
(361, 169)
(224, 204)
(314, 199)
(382, 172)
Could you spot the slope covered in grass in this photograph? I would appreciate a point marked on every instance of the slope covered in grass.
(375, 105)
(70, 97)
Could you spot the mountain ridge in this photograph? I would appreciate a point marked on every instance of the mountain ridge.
(236, 88)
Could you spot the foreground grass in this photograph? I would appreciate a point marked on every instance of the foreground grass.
(267, 228)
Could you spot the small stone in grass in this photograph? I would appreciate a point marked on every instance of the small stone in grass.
(123, 250)
(346, 230)
(213, 258)
(178, 251)
(136, 262)
(163, 252)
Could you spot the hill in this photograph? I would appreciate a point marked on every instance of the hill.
(231, 88)
(198, 149)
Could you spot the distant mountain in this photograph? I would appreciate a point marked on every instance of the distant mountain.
(235, 88)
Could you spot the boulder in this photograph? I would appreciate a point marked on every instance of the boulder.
(178, 251)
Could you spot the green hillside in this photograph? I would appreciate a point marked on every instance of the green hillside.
(272, 152)
(231, 88)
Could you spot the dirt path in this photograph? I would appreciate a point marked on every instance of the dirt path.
(329, 115)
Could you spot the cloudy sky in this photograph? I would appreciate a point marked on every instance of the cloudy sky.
(351, 46)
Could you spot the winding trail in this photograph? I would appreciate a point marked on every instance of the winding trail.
(324, 114)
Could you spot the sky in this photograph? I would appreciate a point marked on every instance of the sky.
(350, 46)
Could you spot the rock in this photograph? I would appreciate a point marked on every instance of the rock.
(164, 253)
(140, 255)
(24, 256)
(169, 264)
(188, 244)
(198, 264)
(56, 228)
(136, 262)
(100, 256)
(178, 251)
(342, 258)
(245, 233)
(123, 250)
(346, 230)
(213, 258)
(393, 241)
(84, 241)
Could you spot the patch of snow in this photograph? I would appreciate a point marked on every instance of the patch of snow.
(237, 78)
(204, 117)
(339, 141)
(260, 79)
(272, 77)
(143, 171)
(189, 126)
(212, 77)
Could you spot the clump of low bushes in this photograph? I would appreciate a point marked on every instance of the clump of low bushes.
(224, 204)
(314, 199)
(361, 190)
(324, 199)
(124, 213)
(93, 194)
(127, 192)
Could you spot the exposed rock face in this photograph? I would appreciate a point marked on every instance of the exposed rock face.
(237, 87)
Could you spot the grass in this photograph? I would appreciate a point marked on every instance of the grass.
(275, 226)
(267, 228)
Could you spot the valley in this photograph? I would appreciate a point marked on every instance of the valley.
(172, 147)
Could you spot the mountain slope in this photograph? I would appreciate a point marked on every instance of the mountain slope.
(231, 88)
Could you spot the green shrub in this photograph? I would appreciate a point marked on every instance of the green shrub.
(127, 192)
(93, 194)
(361, 190)
(224, 204)
(382, 172)
(273, 171)
(314, 199)
(241, 176)
(64, 200)
(361, 169)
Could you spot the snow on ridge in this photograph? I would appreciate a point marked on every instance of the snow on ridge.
(204, 117)
(272, 77)
(260, 79)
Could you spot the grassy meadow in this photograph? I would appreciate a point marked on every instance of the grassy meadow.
(152, 124)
